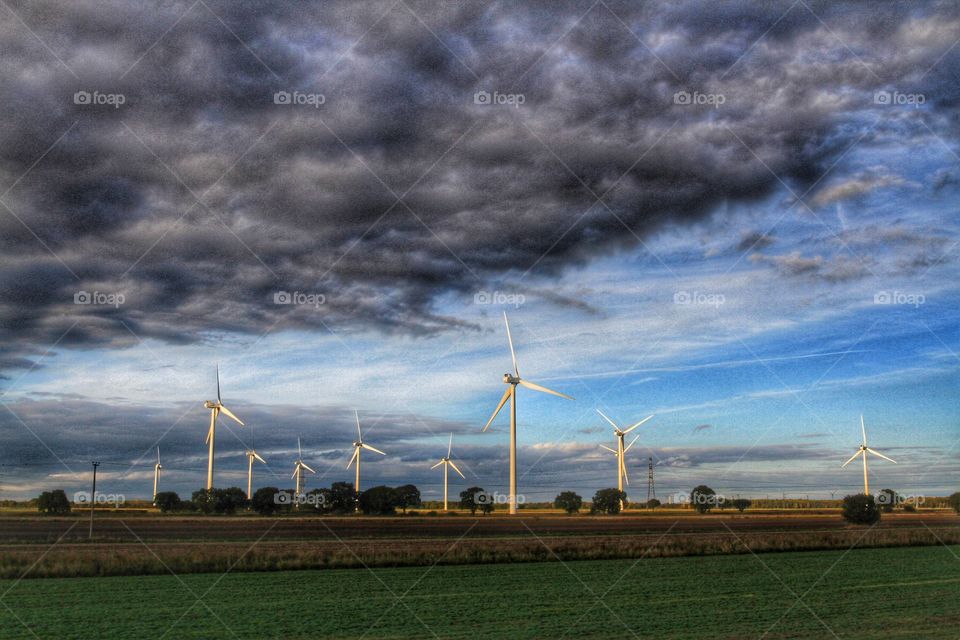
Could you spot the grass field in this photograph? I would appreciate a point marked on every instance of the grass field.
(864, 593)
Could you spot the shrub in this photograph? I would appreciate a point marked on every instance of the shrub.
(265, 502)
(381, 500)
(407, 497)
(343, 497)
(167, 501)
(469, 499)
(703, 498)
(568, 501)
(653, 503)
(53, 503)
(225, 501)
(860, 509)
(954, 501)
(608, 501)
(741, 504)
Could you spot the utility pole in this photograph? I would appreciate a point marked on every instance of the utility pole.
(651, 492)
(93, 496)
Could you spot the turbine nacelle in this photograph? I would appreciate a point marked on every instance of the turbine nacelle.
(210, 404)
(509, 379)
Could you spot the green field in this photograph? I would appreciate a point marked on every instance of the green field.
(868, 593)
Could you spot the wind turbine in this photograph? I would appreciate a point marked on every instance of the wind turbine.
(620, 433)
(215, 409)
(156, 475)
(447, 463)
(511, 394)
(251, 456)
(298, 469)
(357, 446)
(864, 449)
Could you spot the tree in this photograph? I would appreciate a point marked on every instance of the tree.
(407, 497)
(568, 501)
(227, 501)
(653, 503)
(954, 501)
(168, 501)
(343, 497)
(860, 509)
(742, 504)
(203, 500)
(473, 498)
(53, 503)
(887, 499)
(608, 501)
(265, 501)
(703, 498)
(380, 501)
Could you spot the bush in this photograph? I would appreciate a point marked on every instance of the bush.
(469, 499)
(653, 503)
(703, 498)
(568, 501)
(225, 501)
(265, 502)
(407, 497)
(343, 497)
(909, 508)
(380, 501)
(608, 501)
(954, 501)
(741, 504)
(860, 509)
(167, 501)
(53, 503)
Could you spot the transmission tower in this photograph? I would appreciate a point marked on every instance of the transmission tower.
(651, 492)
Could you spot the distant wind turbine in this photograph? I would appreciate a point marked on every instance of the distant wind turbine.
(864, 449)
(511, 394)
(447, 462)
(215, 409)
(620, 433)
(156, 475)
(298, 468)
(358, 445)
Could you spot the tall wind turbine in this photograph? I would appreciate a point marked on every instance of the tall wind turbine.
(156, 475)
(447, 463)
(511, 394)
(620, 452)
(251, 456)
(215, 409)
(864, 449)
(620, 433)
(298, 468)
(357, 446)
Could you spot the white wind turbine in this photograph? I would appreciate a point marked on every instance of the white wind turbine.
(864, 449)
(447, 462)
(620, 433)
(621, 465)
(156, 475)
(357, 446)
(511, 394)
(298, 468)
(252, 455)
(215, 409)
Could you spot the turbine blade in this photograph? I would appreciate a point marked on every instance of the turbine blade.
(877, 453)
(503, 401)
(638, 424)
(375, 450)
(357, 413)
(631, 443)
(863, 428)
(450, 445)
(209, 433)
(299, 450)
(218, 382)
(257, 456)
(356, 452)
(852, 458)
(307, 468)
(158, 455)
(457, 470)
(623, 467)
(230, 414)
(295, 469)
(612, 423)
(438, 464)
(513, 353)
(537, 387)
(609, 449)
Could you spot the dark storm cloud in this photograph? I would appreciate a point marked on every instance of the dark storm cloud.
(104, 197)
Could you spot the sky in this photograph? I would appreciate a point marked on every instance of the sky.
(738, 217)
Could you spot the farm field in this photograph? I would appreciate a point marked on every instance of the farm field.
(863, 593)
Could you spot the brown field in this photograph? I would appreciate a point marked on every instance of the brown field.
(146, 544)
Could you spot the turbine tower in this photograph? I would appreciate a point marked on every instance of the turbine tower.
(447, 463)
(298, 468)
(216, 407)
(156, 476)
(864, 449)
(620, 433)
(511, 394)
(357, 446)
